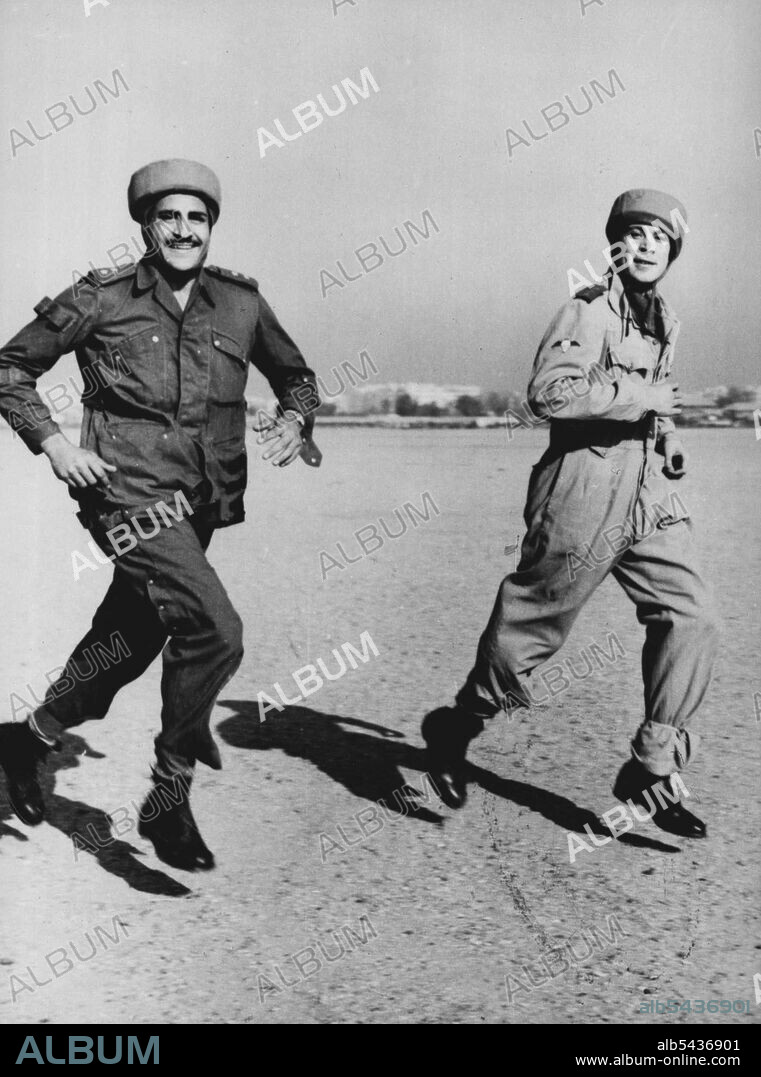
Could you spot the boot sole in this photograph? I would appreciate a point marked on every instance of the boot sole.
(168, 855)
(25, 818)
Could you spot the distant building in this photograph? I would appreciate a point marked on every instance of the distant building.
(741, 413)
(375, 397)
(441, 395)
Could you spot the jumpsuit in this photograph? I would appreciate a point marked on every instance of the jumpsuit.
(599, 503)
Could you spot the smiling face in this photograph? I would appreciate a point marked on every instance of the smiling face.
(648, 249)
(181, 227)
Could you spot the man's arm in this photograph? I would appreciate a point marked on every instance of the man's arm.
(284, 367)
(295, 386)
(61, 324)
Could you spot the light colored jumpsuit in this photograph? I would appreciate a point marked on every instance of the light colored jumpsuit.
(598, 502)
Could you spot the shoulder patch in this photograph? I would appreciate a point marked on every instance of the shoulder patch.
(231, 275)
(588, 294)
(55, 313)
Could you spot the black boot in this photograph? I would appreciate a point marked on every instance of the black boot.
(167, 821)
(447, 732)
(646, 790)
(21, 753)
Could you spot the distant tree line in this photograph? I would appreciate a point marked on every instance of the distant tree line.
(485, 404)
(405, 405)
(492, 403)
(736, 394)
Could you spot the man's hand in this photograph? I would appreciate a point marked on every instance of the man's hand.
(664, 399)
(75, 466)
(675, 458)
(282, 437)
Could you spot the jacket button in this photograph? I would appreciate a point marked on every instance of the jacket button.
(216, 343)
(155, 340)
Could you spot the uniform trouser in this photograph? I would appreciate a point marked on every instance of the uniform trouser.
(164, 595)
(590, 512)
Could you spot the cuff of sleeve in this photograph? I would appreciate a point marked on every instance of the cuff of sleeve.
(34, 438)
(297, 416)
(306, 420)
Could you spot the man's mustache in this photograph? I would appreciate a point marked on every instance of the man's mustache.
(162, 235)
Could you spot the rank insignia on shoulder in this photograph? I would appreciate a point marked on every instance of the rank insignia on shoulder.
(97, 278)
(588, 294)
(236, 278)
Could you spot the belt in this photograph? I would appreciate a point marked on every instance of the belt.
(569, 434)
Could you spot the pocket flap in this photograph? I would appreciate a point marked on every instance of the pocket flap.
(229, 345)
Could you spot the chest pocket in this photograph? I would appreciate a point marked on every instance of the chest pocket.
(635, 354)
(229, 369)
(141, 360)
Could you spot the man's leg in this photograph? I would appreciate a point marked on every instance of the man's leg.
(126, 635)
(572, 510)
(167, 580)
(203, 651)
(164, 591)
(661, 576)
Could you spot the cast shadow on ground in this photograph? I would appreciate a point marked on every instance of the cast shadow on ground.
(369, 765)
(71, 817)
(559, 810)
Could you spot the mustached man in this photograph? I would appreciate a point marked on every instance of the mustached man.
(167, 427)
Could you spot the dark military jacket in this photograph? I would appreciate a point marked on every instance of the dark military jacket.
(163, 388)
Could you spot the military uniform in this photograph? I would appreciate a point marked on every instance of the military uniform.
(166, 406)
(598, 503)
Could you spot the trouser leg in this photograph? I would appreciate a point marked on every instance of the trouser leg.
(563, 560)
(164, 592)
(524, 630)
(125, 637)
(204, 649)
(661, 575)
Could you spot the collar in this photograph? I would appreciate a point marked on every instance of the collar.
(619, 304)
(208, 286)
(148, 277)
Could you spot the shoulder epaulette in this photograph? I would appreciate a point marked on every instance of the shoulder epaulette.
(588, 294)
(236, 278)
(100, 278)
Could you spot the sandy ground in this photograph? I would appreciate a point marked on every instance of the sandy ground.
(453, 902)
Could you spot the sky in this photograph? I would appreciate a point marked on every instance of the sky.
(469, 303)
